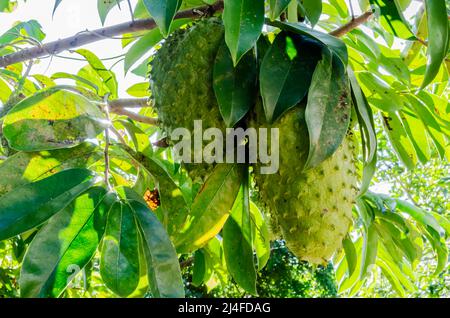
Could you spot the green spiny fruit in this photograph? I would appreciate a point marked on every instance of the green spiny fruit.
(181, 83)
(313, 208)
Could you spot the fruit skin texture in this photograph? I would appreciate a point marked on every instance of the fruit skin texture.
(181, 83)
(313, 208)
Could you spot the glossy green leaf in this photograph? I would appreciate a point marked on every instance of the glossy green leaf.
(418, 136)
(367, 128)
(399, 140)
(64, 246)
(199, 271)
(5, 92)
(334, 44)
(164, 272)
(211, 208)
(30, 28)
(261, 236)
(430, 123)
(52, 119)
(235, 87)
(392, 19)
(351, 256)
(139, 90)
(27, 167)
(277, 7)
(173, 204)
(395, 283)
(286, 73)
(57, 3)
(328, 110)
(163, 12)
(420, 215)
(238, 242)
(438, 38)
(32, 204)
(144, 45)
(119, 265)
(108, 77)
(441, 251)
(313, 10)
(370, 248)
(104, 7)
(78, 79)
(244, 21)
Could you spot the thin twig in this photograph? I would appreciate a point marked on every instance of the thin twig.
(353, 24)
(129, 103)
(136, 117)
(118, 135)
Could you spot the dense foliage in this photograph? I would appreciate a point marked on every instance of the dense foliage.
(93, 202)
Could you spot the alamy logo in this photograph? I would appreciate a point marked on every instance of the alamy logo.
(255, 146)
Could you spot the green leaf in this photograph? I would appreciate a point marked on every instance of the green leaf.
(235, 87)
(119, 265)
(26, 167)
(370, 248)
(238, 242)
(261, 236)
(418, 136)
(211, 208)
(52, 119)
(30, 28)
(277, 7)
(5, 92)
(173, 204)
(368, 133)
(78, 79)
(104, 7)
(328, 111)
(350, 255)
(244, 21)
(392, 19)
(164, 269)
(57, 3)
(334, 44)
(163, 12)
(313, 10)
(32, 204)
(420, 216)
(108, 77)
(286, 73)
(139, 90)
(144, 45)
(199, 271)
(67, 242)
(399, 139)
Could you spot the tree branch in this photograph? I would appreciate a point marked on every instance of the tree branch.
(134, 116)
(87, 37)
(129, 103)
(353, 24)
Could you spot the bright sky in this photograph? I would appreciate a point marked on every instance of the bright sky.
(71, 17)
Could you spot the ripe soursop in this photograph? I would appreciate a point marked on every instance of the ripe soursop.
(181, 83)
(312, 209)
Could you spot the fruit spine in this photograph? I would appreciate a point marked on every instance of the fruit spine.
(313, 208)
(181, 82)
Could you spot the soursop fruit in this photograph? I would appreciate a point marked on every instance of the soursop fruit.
(181, 83)
(312, 209)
